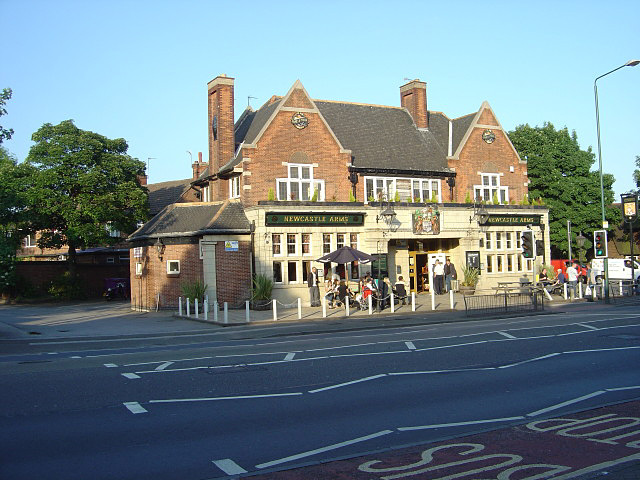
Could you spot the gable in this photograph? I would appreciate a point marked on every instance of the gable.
(488, 118)
(298, 99)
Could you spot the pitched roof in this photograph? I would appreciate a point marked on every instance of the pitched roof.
(383, 137)
(460, 127)
(194, 219)
(165, 193)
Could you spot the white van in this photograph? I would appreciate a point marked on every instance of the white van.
(619, 269)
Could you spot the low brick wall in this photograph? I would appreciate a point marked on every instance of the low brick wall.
(41, 274)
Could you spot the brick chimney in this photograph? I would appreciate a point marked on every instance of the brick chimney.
(221, 135)
(198, 166)
(142, 180)
(413, 97)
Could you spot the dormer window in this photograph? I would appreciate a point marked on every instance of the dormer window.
(234, 187)
(300, 184)
(490, 187)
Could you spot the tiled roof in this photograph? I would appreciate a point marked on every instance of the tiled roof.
(382, 137)
(193, 219)
(166, 193)
(460, 127)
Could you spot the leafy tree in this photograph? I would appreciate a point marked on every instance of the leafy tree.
(5, 134)
(82, 182)
(636, 172)
(560, 173)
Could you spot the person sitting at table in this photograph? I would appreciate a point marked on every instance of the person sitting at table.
(543, 277)
(343, 294)
(400, 290)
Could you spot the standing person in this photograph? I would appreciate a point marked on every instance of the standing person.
(438, 272)
(572, 278)
(314, 289)
(449, 274)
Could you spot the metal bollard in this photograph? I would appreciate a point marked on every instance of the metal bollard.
(188, 308)
(246, 311)
(275, 310)
(433, 299)
(370, 297)
(393, 302)
(299, 308)
(215, 311)
(593, 292)
(346, 305)
(565, 291)
(226, 312)
(206, 311)
(195, 301)
(451, 299)
(413, 301)
(324, 307)
(180, 306)
(620, 283)
(579, 289)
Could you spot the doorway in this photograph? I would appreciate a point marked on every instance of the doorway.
(421, 270)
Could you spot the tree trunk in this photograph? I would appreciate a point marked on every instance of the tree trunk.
(71, 261)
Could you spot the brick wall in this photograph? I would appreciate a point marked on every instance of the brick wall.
(222, 149)
(233, 274)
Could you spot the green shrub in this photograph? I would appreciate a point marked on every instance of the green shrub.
(262, 287)
(434, 197)
(67, 287)
(467, 198)
(495, 199)
(271, 194)
(193, 290)
(352, 198)
(396, 197)
(469, 276)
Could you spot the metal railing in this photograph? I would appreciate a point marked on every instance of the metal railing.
(511, 302)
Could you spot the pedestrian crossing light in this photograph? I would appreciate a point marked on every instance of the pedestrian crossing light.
(528, 244)
(600, 243)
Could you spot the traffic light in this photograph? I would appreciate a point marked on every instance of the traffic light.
(528, 244)
(600, 244)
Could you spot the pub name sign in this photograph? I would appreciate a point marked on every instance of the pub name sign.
(318, 219)
(505, 220)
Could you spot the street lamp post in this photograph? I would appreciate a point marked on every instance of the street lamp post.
(630, 63)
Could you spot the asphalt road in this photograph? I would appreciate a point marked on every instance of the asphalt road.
(213, 404)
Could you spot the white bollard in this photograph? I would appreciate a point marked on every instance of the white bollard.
(206, 311)
(413, 301)
(215, 311)
(370, 298)
(299, 308)
(547, 294)
(451, 299)
(393, 302)
(324, 307)
(188, 307)
(195, 301)
(579, 289)
(433, 299)
(346, 305)
(180, 306)
(226, 312)
(275, 310)
(593, 292)
(247, 318)
(565, 291)
(620, 283)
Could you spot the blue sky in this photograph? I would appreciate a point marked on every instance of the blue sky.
(139, 69)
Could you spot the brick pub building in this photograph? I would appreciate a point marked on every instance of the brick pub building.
(299, 177)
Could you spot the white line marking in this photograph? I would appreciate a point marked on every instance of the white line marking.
(324, 449)
(564, 404)
(229, 467)
(505, 334)
(211, 399)
(76, 356)
(410, 345)
(110, 365)
(590, 327)
(622, 388)
(429, 372)
(134, 407)
(130, 376)
(600, 350)
(52, 353)
(530, 360)
(366, 379)
(163, 366)
(459, 424)
(290, 356)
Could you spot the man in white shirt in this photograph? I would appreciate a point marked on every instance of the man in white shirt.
(438, 272)
(572, 278)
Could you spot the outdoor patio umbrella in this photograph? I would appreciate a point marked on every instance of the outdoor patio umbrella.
(346, 255)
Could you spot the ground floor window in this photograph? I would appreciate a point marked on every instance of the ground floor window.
(277, 272)
(508, 263)
(292, 272)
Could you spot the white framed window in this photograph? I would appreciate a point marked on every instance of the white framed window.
(292, 272)
(29, 241)
(498, 240)
(234, 187)
(292, 244)
(353, 240)
(508, 239)
(300, 184)
(490, 263)
(529, 265)
(510, 265)
(173, 267)
(518, 240)
(421, 190)
(277, 272)
(487, 242)
(490, 186)
(339, 240)
(206, 194)
(426, 190)
(306, 244)
(326, 243)
(138, 269)
(519, 263)
(276, 244)
(500, 263)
